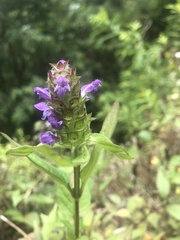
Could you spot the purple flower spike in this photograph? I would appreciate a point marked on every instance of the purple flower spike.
(54, 122)
(47, 111)
(42, 92)
(62, 86)
(92, 87)
(49, 138)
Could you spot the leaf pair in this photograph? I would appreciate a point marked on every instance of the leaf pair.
(41, 155)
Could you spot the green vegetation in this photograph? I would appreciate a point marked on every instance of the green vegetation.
(133, 47)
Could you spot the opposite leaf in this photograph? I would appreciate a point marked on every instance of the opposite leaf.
(108, 145)
(107, 129)
(21, 151)
(109, 123)
(10, 139)
(59, 175)
(46, 151)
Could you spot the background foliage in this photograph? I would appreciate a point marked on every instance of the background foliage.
(133, 47)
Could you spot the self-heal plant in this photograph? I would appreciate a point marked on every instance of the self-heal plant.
(66, 143)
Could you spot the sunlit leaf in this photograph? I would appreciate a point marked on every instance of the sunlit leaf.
(110, 122)
(48, 222)
(85, 200)
(54, 155)
(162, 182)
(108, 145)
(83, 238)
(21, 151)
(50, 153)
(174, 211)
(10, 139)
(153, 219)
(66, 205)
(58, 174)
(88, 219)
(139, 232)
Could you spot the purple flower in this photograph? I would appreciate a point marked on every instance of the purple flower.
(62, 86)
(47, 111)
(42, 92)
(92, 87)
(61, 61)
(49, 138)
(54, 122)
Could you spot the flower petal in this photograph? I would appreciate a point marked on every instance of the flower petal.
(61, 61)
(92, 87)
(42, 106)
(54, 122)
(47, 111)
(62, 86)
(42, 92)
(49, 138)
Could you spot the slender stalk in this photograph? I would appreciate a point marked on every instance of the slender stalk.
(15, 227)
(76, 199)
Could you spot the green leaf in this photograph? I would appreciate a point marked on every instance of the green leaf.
(107, 129)
(174, 211)
(160, 236)
(87, 170)
(162, 183)
(57, 174)
(85, 200)
(50, 153)
(107, 144)
(16, 197)
(66, 204)
(10, 139)
(153, 218)
(88, 219)
(134, 203)
(138, 233)
(83, 238)
(109, 122)
(15, 215)
(48, 222)
(54, 155)
(21, 151)
(69, 231)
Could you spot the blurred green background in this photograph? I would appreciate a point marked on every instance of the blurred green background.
(134, 48)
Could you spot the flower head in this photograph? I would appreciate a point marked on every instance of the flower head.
(64, 106)
(49, 138)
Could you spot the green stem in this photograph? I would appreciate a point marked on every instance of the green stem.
(76, 199)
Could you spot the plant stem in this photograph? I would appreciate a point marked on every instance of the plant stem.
(76, 199)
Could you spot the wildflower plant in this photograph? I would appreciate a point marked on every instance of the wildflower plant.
(68, 140)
